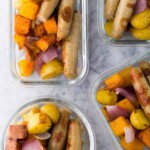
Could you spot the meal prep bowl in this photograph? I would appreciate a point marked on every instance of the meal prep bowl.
(127, 39)
(14, 55)
(88, 135)
(99, 83)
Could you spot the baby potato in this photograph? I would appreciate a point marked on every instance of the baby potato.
(52, 111)
(141, 20)
(27, 116)
(139, 120)
(106, 97)
(51, 69)
(38, 123)
(143, 34)
(108, 27)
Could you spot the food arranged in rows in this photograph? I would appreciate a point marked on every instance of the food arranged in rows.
(49, 34)
(46, 128)
(131, 15)
(125, 101)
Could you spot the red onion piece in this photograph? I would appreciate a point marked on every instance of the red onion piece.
(129, 134)
(31, 144)
(140, 6)
(49, 55)
(31, 39)
(43, 136)
(38, 64)
(115, 111)
(127, 94)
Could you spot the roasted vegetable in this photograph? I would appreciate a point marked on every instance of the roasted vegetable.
(29, 10)
(104, 111)
(135, 145)
(46, 41)
(139, 120)
(39, 30)
(114, 81)
(20, 40)
(106, 97)
(26, 67)
(29, 54)
(52, 111)
(51, 26)
(22, 24)
(118, 125)
(144, 136)
(108, 27)
(141, 20)
(51, 69)
(38, 123)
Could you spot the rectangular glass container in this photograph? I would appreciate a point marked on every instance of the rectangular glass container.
(14, 54)
(99, 83)
(127, 39)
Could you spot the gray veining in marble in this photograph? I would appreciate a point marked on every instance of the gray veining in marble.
(102, 57)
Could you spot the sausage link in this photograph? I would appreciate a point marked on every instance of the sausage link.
(65, 15)
(70, 46)
(122, 17)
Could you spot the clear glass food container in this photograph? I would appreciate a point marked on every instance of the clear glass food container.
(127, 39)
(99, 83)
(14, 55)
(89, 142)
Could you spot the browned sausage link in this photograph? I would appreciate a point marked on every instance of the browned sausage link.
(145, 66)
(59, 133)
(111, 8)
(70, 47)
(65, 15)
(122, 17)
(142, 89)
(74, 136)
(46, 10)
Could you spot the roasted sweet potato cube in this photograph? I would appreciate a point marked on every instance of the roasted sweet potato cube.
(29, 10)
(20, 40)
(47, 41)
(29, 54)
(22, 24)
(13, 145)
(39, 30)
(51, 26)
(17, 132)
(144, 136)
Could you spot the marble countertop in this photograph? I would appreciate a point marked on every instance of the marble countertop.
(102, 57)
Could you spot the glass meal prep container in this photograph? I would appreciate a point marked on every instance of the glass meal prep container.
(87, 135)
(99, 83)
(14, 55)
(126, 40)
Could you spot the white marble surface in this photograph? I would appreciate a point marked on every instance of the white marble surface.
(102, 57)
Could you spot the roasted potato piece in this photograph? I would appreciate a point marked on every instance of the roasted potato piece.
(51, 69)
(22, 24)
(52, 111)
(38, 123)
(29, 54)
(29, 10)
(108, 27)
(39, 30)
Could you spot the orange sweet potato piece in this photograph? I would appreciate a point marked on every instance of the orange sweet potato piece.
(22, 24)
(39, 30)
(29, 54)
(114, 81)
(126, 75)
(51, 26)
(118, 125)
(135, 145)
(144, 136)
(46, 41)
(26, 67)
(20, 40)
(29, 10)
(103, 109)
(126, 104)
